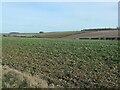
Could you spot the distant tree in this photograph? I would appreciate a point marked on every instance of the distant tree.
(41, 32)
(4, 35)
(118, 28)
(99, 29)
(14, 33)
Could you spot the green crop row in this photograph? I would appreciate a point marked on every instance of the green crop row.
(65, 63)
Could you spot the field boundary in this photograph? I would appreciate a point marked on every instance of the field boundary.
(31, 80)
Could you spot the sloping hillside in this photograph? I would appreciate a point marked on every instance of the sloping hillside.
(110, 34)
(94, 34)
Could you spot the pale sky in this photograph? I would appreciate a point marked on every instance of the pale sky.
(28, 17)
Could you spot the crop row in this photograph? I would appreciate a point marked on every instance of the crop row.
(65, 63)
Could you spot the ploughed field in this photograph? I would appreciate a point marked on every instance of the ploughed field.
(71, 34)
(64, 63)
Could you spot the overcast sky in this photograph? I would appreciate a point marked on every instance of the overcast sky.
(31, 17)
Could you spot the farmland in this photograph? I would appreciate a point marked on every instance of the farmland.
(63, 62)
(98, 33)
